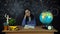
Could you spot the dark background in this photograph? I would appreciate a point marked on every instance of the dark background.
(15, 9)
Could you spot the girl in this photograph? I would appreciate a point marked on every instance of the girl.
(28, 19)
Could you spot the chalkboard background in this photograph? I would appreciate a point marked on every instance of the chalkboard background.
(15, 9)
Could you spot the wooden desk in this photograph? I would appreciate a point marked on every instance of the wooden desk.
(37, 30)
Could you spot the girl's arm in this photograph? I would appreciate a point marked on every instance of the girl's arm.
(24, 21)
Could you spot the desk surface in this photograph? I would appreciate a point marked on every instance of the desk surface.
(37, 29)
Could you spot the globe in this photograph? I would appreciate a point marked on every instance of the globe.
(46, 18)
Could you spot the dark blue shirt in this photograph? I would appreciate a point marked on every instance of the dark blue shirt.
(31, 23)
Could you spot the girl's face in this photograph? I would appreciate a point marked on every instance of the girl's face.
(27, 12)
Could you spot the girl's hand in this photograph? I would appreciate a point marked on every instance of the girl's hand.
(24, 16)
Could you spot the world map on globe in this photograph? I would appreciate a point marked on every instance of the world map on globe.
(46, 17)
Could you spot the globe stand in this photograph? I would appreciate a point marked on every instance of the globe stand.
(44, 27)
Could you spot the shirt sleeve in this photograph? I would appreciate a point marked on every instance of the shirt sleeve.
(23, 22)
(34, 22)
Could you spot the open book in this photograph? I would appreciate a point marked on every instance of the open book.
(29, 27)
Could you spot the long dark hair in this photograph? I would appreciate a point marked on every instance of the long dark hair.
(31, 15)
